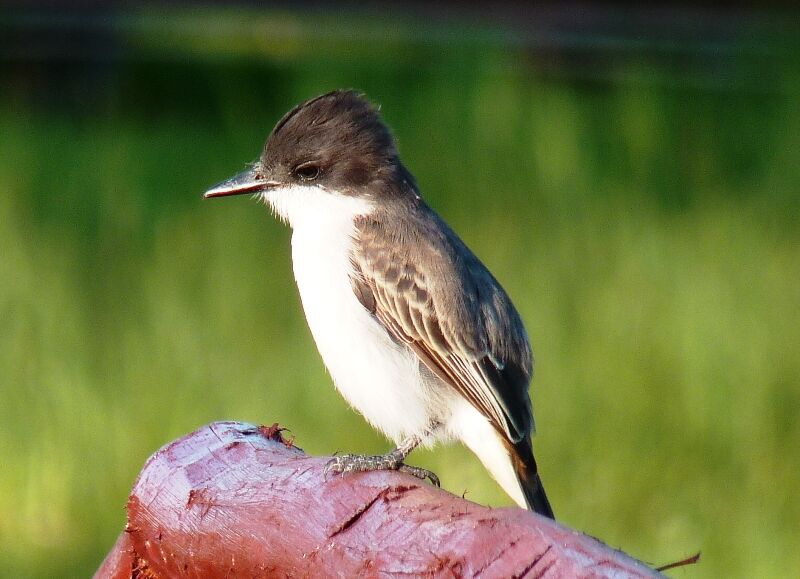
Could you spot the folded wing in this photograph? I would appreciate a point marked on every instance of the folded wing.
(430, 292)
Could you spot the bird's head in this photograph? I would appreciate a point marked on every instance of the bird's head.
(335, 143)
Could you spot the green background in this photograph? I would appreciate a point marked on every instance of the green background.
(642, 213)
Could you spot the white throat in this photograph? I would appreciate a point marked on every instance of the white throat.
(311, 206)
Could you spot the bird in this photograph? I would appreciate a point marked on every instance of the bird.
(416, 333)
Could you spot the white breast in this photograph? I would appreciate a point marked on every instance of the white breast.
(378, 377)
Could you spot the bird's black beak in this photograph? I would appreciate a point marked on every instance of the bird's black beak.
(250, 181)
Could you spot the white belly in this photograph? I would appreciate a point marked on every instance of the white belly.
(378, 377)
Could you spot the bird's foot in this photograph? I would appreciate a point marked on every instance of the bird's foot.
(420, 473)
(345, 463)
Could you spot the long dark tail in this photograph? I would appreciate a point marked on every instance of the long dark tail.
(528, 476)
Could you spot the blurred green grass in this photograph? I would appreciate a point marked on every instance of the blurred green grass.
(648, 234)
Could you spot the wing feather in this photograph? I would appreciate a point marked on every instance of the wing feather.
(445, 305)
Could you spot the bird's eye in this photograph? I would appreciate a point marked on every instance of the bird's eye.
(307, 171)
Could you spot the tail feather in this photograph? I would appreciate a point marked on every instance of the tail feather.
(536, 497)
(528, 476)
(511, 464)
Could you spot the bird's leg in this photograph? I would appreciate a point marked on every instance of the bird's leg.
(393, 460)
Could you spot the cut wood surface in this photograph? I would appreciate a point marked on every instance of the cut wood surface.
(236, 500)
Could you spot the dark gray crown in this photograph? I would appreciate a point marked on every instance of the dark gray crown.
(337, 140)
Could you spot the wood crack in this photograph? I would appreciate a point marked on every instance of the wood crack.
(533, 564)
(354, 518)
